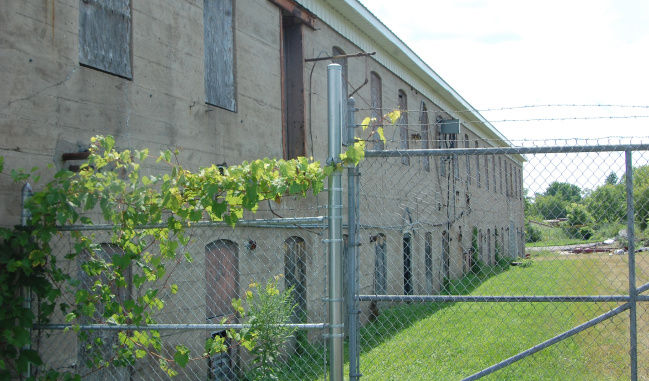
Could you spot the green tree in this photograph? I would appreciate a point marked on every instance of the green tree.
(580, 223)
(607, 203)
(550, 207)
(611, 179)
(565, 191)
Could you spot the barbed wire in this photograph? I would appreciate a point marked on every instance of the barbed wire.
(532, 106)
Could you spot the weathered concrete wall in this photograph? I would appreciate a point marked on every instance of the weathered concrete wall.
(50, 104)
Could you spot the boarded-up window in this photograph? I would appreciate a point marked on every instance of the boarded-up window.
(423, 120)
(295, 276)
(219, 53)
(293, 88)
(403, 125)
(105, 36)
(221, 287)
(221, 279)
(89, 280)
(376, 93)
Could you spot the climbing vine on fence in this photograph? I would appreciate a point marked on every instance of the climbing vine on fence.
(110, 188)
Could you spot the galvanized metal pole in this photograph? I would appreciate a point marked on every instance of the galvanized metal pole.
(633, 292)
(336, 332)
(352, 249)
(26, 291)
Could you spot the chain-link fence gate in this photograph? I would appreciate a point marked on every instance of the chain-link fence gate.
(458, 273)
(451, 270)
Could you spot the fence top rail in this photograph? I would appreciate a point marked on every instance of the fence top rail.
(506, 150)
(292, 222)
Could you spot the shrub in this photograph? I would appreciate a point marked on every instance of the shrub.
(532, 233)
(579, 223)
(266, 309)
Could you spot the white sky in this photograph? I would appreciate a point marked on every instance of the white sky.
(505, 53)
(512, 53)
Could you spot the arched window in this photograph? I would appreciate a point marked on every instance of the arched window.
(467, 158)
(486, 173)
(428, 261)
(403, 125)
(493, 167)
(477, 166)
(221, 278)
(497, 246)
(481, 246)
(500, 169)
(376, 93)
(425, 138)
(221, 287)
(109, 339)
(488, 261)
(295, 275)
(342, 61)
(380, 276)
(407, 264)
(446, 265)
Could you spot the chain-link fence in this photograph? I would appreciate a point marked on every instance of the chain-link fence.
(515, 260)
(220, 266)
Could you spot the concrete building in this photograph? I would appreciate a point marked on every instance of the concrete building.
(227, 81)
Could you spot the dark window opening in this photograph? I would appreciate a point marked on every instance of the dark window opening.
(425, 138)
(428, 261)
(446, 265)
(294, 133)
(336, 51)
(295, 276)
(403, 125)
(407, 264)
(380, 276)
(376, 92)
(477, 166)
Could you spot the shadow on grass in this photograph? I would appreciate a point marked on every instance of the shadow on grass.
(310, 363)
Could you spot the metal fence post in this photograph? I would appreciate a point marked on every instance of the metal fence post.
(25, 194)
(630, 217)
(352, 249)
(336, 332)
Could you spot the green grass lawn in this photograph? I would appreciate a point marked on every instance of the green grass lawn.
(449, 341)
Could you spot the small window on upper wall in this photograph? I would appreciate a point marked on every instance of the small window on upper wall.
(342, 61)
(376, 93)
(105, 36)
(403, 125)
(218, 40)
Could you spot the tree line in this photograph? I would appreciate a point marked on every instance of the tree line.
(584, 213)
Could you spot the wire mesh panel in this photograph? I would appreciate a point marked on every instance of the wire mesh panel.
(513, 261)
(217, 266)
